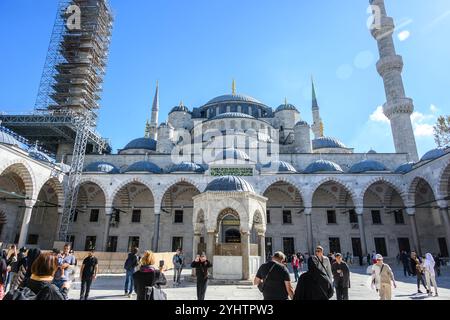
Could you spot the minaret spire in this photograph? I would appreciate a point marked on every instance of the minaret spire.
(233, 88)
(153, 125)
(398, 108)
(317, 126)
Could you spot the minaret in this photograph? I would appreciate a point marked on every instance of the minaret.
(153, 125)
(398, 108)
(317, 126)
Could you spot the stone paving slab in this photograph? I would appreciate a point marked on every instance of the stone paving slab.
(110, 287)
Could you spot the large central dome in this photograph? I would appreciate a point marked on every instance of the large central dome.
(233, 97)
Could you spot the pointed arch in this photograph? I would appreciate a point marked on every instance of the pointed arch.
(337, 181)
(23, 170)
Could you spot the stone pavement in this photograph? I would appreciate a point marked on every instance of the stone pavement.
(110, 287)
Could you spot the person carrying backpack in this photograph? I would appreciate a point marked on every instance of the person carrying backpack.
(178, 264)
(3, 273)
(40, 286)
(130, 267)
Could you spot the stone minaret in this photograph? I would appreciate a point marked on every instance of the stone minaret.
(317, 126)
(153, 126)
(398, 107)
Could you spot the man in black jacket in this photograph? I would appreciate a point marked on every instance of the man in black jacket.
(201, 265)
(341, 275)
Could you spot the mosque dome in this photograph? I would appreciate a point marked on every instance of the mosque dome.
(405, 168)
(434, 154)
(230, 115)
(233, 98)
(8, 138)
(232, 153)
(323, 166)
(141, 143)
(180, 108)
(101, 167)
(371, 151)
(187, 167)
(302, 123)
(279, 166)
(39, 155)
(327, 143)
(286, 106)
(229, 183)
(143, 166)
(368, 166)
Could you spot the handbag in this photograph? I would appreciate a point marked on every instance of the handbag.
(261, 285)
(155, 293)
(330, 292)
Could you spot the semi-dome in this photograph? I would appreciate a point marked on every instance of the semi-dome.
(286, 106)
(8, 138)
(327, 143)
(232, 153)
(187, 167)
(279, 166)
(434, 154)
(141, 143)
(302, 124)
(229, 183)
(230, 115)
(405, 168)
(39, 155)
(143, 166)
(101, 167)
(323, 166)
(233, 98)
(368, 166)
(180, 108)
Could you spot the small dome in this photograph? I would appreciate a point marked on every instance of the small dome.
(302, 124)
(372, 152)
(233, 97)
(278, 166)
(39, 155)
(367, 166)
(8, 138)
(101, 167)
(323, 166)
(286, 106)
(232, 154)
(187, 167)
(180, 108)
(165, 125)
(141, 143)
(229, 183)
(434, 154)
(405, 168)
(143, 166)
(229, 115)
(327, 143)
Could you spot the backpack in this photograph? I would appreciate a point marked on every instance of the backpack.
(27, 294)
(131, 262)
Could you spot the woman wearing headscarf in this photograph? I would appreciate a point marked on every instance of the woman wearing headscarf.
(3, 273)
(314, 284)
(430, 275)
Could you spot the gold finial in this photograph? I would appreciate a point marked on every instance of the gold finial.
(233, 88)
(321, 129)
(285, 101)
(181, 103)
(147, 129)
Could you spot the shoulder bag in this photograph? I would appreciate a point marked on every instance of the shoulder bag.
(261, 285)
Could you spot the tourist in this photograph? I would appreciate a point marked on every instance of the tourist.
(3, 273)
(41, 281)
(417, 270)
(406, 264)
(88, 273)
(66, 263)
(430, 275)
(19, 269)
(383, 278)
(201, 265)
(11, 263)
(32, 255)
(324, 263)
(369, 259)
(295, 266)
(314, 284)
(130, 267)
(374, 257)
(341, 275)
(273, 279)
(178, 265)
(147, 276)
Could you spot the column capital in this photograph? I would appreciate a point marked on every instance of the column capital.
(308, 211)
(359, 210)
(411, 211)
(443, 204)
(29, 203)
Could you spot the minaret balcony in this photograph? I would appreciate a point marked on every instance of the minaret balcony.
(398, 106)
(389, 64)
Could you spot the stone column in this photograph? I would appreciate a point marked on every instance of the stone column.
(443, 209)
(155, 244)
(58, 224)
(245, 247)
(195, 243)
(108, 220)
(211, 247)
(415, 234)
(262, 245)
(362, 231)
(29, 204)
(309, 231)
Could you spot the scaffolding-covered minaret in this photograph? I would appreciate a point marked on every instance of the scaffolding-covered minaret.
(398, 107)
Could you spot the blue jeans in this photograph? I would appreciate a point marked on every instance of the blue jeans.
(129, 284)
(296, 274)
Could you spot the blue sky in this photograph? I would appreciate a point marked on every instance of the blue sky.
(195, 48)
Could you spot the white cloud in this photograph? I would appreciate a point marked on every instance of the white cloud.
(434, 109)
(404, 35)
(378, 116)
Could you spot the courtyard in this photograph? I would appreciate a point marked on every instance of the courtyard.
(110, 287)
